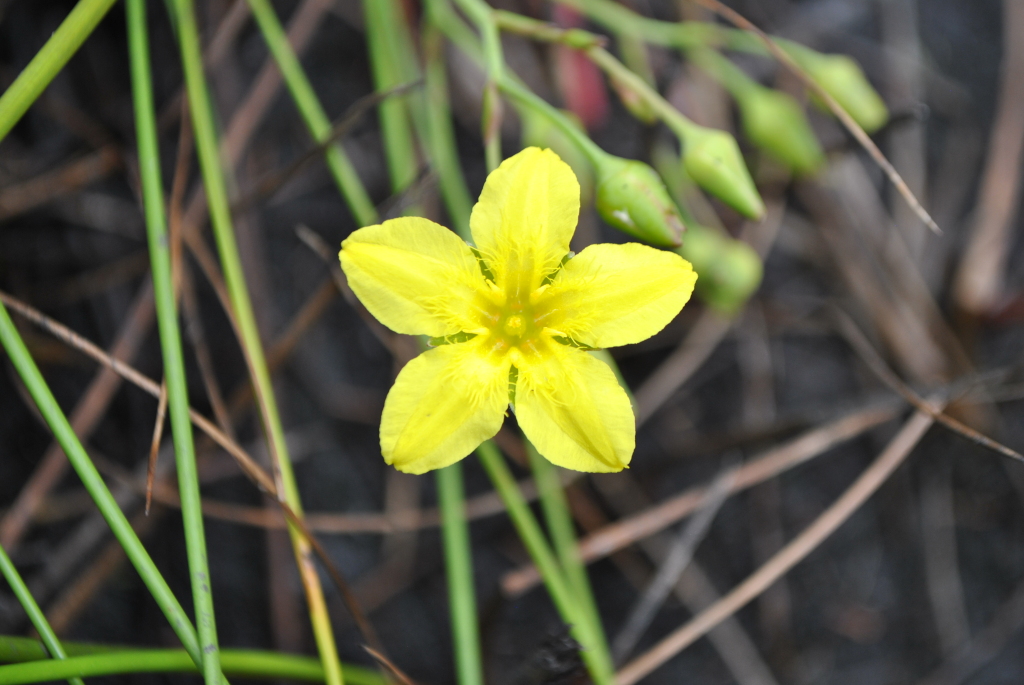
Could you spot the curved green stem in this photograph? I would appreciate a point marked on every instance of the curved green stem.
(50, 59)
(113, 661)
(34, 613)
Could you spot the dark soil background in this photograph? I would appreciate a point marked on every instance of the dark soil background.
(924, 581)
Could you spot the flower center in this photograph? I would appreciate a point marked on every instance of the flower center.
(514, 326)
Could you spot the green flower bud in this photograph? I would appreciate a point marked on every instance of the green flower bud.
(539, 131)
(632, 198)
(775, 122)
(728, 270)
(713, 160)
(842, 78)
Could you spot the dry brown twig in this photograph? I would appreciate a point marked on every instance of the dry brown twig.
(154, 444)
(863, 347)
(806, 542)
(767, 465)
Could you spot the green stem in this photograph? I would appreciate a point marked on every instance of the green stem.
(50, 59)
(558, 585)
(443, 150)
(459, 566)
(590, 44)
(98, 660)
(445, 18)
(382, 21)
(683, 35)
(563, 535)
(170, 338)
(97, 489)
(732, 78)
(234, 278)
(35, 614)
(317, 122)
(483, 16)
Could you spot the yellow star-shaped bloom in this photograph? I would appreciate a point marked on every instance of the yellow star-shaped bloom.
(514, 317)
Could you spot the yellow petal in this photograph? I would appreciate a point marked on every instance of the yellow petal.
(444, 403)
(610, 295)
(573, 409)
(415, 276)
(525, 218)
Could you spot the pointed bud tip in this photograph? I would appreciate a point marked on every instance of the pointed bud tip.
(713, 160)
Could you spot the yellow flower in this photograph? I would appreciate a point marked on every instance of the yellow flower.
(514, 317)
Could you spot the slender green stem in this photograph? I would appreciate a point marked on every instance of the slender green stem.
(234, 278)
(459, 566)
(590, 44)
(483, 16)
(170, 338)
(557, 583)
(382, 20)
(99, 660)
(35, 614)
(683, 35)
(50, 59)
(312, 112)
(441, 134)
(563, 535)
(732, 78)
(445, 18)
(97, 489)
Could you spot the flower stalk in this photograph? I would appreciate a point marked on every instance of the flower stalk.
(170, 338)
(220, 219)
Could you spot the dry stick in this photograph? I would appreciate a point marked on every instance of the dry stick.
(979, 279)
(273, 181)
(74, 597)
(694, 590)
(692, 352)
(390, 667)
(985, 646)
(852, 126)
(154, 445)
(869, 481)
(196, 335)
(679, 557)
(941, 565)
(878, 366)
(249, 466)
(769, 464)
(481, 506)
(20, 198)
